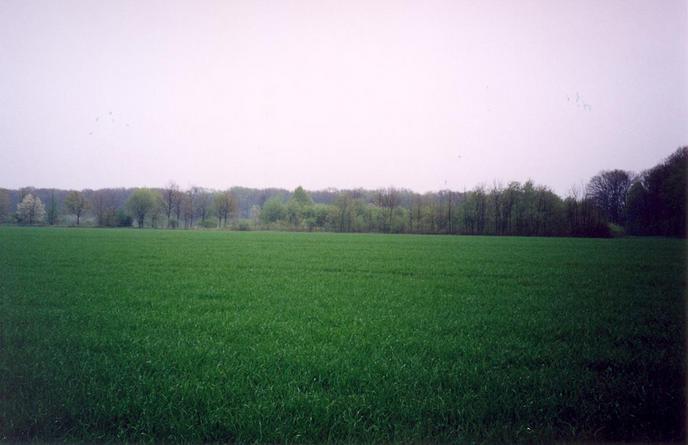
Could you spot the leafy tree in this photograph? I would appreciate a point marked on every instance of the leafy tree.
(53, 210)
(26, 190)
(273, 210)
(30, 210)
(122, 219)
(345, 215)
(4, 204)
(140, 204)
(226, 205)
(657, 199)
(299, 207)
(75, 204)
(254, 215)
(301, 197)
(158, 209)
(608, 191)
(583, 217)
(474, 210)
(104, 207)
(319, 217)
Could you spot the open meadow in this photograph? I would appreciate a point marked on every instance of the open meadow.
(152, 335)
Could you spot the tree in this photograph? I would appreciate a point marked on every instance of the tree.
(345, 212)
(583, 217)
(299, 206)
(608, 191)
(157, 210)
(415, 213)
(188, 206)
(141, 203)
(273, 210)
(169, 200)
(319, 219)
(178, 204)
(203, 203)
(445, 215)
(53, 209)
(75, 204)
(4, 205)
(103, 205)
(388, 199)
(30, 210)
(226, 205)
(254, 215)
(25, 191)
(301, 197)
(474, 211)
(657, 199)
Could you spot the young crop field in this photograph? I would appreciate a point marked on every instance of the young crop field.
(209, 336)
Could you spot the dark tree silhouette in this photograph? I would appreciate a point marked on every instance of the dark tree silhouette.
(608, 191)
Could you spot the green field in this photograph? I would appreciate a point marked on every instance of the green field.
(143, 335)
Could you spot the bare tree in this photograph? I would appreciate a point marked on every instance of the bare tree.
(188, 206)
(169, 197)
(389, 199)
(203, 203)
(178, 198)
(415, 212)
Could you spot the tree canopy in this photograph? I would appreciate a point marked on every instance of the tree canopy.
(140, 204)
(650, 203)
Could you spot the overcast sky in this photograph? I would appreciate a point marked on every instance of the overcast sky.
(420, 94)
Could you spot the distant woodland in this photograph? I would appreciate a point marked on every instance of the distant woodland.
(613, 203)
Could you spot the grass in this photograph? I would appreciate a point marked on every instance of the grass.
(127, 335)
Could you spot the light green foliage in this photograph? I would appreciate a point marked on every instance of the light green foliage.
(75, 203)
(226, 205)
(4, 205)
(52, 213)
(319, 217)
(299, 209)
(171, 336)
(301, 197)
(273, 210)
(141, 203)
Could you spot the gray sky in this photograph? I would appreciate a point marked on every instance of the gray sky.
(419, 94)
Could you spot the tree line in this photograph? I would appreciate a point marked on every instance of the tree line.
(612, 202)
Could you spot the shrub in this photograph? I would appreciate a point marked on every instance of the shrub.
(123, 220)
(616, 231)
(208, 224)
